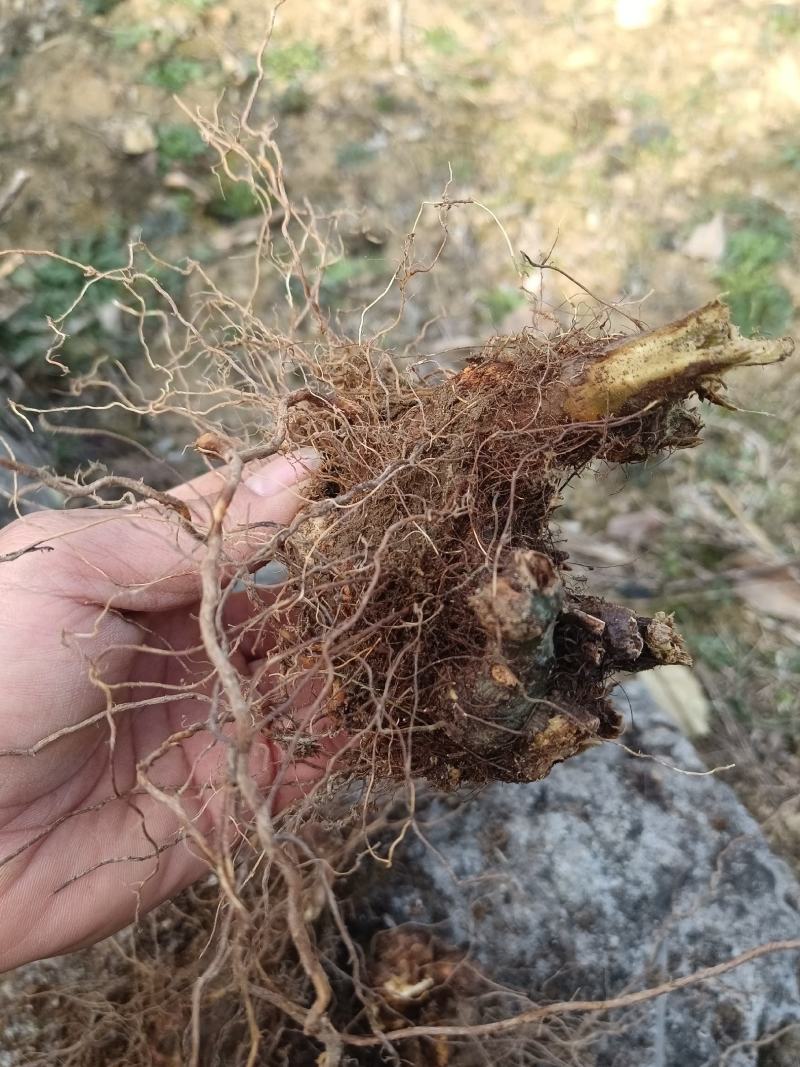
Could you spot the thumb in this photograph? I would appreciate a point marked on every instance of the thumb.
(139, 559)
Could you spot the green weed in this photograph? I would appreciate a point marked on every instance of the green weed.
(763, 238)
(783, 20)
(49, 287)
(790, 156)
(127, 38)
(347, 271)
(495, 304)
(354, 154)
(179, 142)
(233, 201)
(387, 103)
(442, 40)
(292, 61)
(174, 73)
(287, 68)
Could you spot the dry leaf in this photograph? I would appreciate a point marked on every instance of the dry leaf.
(707, 241)
(776, 594)
(633, 528)
(677, 690)
(588, 548)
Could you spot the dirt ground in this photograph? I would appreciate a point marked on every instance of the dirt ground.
(655, 145)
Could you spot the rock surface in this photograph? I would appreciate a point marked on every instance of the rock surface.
(613, 873)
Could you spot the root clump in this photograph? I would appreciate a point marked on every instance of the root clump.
(453, 639)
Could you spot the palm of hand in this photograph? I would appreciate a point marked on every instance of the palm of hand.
(89, 846)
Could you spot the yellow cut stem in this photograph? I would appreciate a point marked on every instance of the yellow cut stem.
(665, 364)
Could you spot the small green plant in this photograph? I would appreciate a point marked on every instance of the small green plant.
(174, 73)
(127, 38)
(48, 288)
(714, 649)
(386, 103)
(234, 200)
(355, 153)
(294, 100)
(464, 168)
(346, 272)
(784, 20)
(643, 104)
(442, 40)
(790, 156)
(555, 164)
(293, 61)
(180, 142)
(759, 302)
(496, 304)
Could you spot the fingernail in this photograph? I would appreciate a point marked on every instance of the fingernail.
(284, 471)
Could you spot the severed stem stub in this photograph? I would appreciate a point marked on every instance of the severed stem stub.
(666, 364)
(456, 644)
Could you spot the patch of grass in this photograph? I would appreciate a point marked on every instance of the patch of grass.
(179, 142)
(287, 68)
(495, 304)
(387, 103)
(182, 203)
(463, 167)
(174, 73)
(126, 38)
(790, 156)
(354, 153)
(783, 20)
(8, 68)
(676, 558)
(787, 664)
(294, 100)
(233, 201)
(442, 40)
(347, 271)
(759, 303)
(555, 164)
(293, 61)
(49, 287)
(715, 650)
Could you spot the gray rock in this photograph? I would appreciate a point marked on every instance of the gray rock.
(16, 440)
(136, 136)
(614, 873)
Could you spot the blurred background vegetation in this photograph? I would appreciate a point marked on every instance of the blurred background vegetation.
(656, 143)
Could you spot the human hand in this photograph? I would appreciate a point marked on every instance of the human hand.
(106, 618)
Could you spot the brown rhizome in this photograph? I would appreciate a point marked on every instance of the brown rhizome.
(454, 642)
